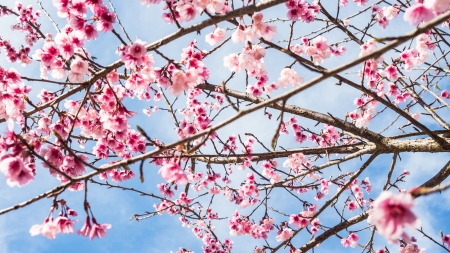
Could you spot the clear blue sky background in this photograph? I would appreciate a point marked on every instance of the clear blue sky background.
(164, 233)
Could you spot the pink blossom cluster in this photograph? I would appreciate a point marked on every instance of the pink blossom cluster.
(269, 171)
(196, 115)
(351, 240)
(328, 137)
(361, 3)
(414, 57)
(14, 55)
(16, 164)
(183, 80)
(54, 54)
(12, 95)
(117, 175)
(385, 14)
(241, 225)
(289, 76)
(301, 10)
(358, 194)
(248, 189)
(75, 12)
(258, 29)
(250, 59)
(93, 230)
(411, 248)
(25, 20)
(317, 49)
(62, 224)
(211, 245)
(184, 11)
(65, 225)
(299, 135)
(297, 162)
(216, 36)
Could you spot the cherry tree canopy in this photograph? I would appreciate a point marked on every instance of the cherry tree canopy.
(259, 126)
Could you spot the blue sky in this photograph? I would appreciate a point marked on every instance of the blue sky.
(165, 233)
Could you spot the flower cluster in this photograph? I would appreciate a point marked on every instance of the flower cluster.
(18, 165)
(301, 10)
(62, 224)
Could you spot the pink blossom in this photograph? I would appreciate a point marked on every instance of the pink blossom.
(296, 220)
(106, 20)
(86, 229)
(65, 225)
(215, 37)
(438, 6)
(284, 234)
(187, 11)
(417, 13)
(98, 230)
(391, 72)
(352, 206)
(15, 171)
(48, 229)
(137, 50)
(446, 240)
(445, 94)
(392, 213)
(172, 172)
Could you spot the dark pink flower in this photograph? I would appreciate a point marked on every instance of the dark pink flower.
(15, 171)
(446, 240)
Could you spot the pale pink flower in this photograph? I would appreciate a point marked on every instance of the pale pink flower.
(187, 11)
(438, 6)
(216, 36)
(417, 13)
(172, 172)
(239, 35)
(392, 213)
(232, 62)
(415, 116)
(411, 248)
(363, 121)
(284, 234)
(48, 229)
(289, 76)
(98, 230)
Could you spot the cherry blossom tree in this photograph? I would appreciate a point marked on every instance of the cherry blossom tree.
(280, 121)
